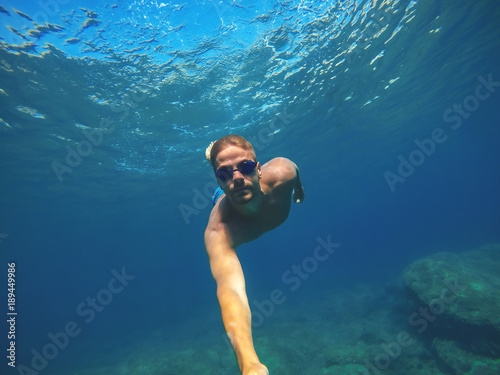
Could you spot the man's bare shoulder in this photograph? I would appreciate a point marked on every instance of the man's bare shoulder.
(216, 236)
(226, 228)
(215, 223)
(220, 227)
(278, 171)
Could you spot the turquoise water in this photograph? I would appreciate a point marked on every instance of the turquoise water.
(389, 108)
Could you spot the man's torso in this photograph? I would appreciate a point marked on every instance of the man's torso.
(272, 213)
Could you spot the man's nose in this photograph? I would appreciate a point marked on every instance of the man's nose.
(237, 175)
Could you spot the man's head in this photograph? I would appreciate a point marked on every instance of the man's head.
(237, 171)
(229, 140)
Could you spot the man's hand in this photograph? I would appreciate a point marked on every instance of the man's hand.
(298, 193)
(256, 369)
(298, 190)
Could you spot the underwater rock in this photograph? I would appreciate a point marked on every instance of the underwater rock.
(464, 362)
(458, 298)
(344, 370)
(464, 287)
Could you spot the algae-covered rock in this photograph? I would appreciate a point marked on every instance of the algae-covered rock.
(463, 287)
(344, 370)
(464, 362)
(458, 295)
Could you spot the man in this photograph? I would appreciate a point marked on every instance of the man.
(251, 200)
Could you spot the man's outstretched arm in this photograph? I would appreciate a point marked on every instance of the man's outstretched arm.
(235, 310)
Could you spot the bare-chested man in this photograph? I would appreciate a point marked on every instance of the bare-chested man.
(252, 200)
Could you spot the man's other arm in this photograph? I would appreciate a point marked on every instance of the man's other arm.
(286, 170)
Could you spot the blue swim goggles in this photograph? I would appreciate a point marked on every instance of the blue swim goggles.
(246, 167)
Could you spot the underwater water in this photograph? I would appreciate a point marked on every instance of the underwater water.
(389, 108)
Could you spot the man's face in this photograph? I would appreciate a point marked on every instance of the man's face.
(240, 189)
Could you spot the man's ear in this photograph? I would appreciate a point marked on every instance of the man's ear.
(259, 170)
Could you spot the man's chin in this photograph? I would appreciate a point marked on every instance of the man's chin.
(242, 196)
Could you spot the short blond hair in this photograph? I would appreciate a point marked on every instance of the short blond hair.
(229, 140)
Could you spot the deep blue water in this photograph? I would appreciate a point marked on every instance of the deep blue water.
(300, 79)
